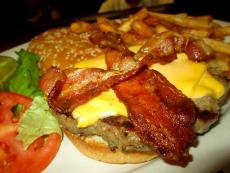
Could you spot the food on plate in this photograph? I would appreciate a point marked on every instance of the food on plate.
(30, 135)
(8, 66)
(128, 90)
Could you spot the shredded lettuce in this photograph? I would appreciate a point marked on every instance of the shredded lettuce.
(36, 122)
(26, 77)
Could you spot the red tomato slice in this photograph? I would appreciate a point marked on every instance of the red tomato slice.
(13, 158)
(8, 101)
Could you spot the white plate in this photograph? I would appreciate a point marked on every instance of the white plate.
(211, 154)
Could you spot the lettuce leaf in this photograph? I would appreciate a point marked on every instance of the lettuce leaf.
(25, 79)
(8, 66)
(36, 122)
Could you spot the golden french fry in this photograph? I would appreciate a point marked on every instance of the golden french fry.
(106, 28)
(196, 32)
(183, 20)
(218, 46)
(79, 26)
(225, 30)
(207, 17)
(132, 39)
(142, 29)
(105, 25)
(160, 29)
(126, 26)
(140, 15)
(182, 14)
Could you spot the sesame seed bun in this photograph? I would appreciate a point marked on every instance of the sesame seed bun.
(62, 48)
(98, 150)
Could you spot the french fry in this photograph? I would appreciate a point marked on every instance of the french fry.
(207, 17)
(160, 29)
(218, 46)
(132, 39)
(79, 26)
(196, 32)
(141, 28)
(183, 20)
(191, 31)
(140, 15)
(223, 31)
(106, 25)
(126, 26)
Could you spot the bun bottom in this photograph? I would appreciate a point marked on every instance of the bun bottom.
(98, 150)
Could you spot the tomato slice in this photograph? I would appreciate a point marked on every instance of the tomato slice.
(13, 158)
(8, 101)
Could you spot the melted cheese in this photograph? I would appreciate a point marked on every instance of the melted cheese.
(190, 77)
(104, 105)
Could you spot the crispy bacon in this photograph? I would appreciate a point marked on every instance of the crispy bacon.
(49, 80)
(69, 88)
(165, 46)
(109, 40)
(198, 51)
(162, 116)
(72, 87)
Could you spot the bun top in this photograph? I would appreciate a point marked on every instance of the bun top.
(62, 48)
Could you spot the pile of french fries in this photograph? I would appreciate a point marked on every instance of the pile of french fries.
(138, 27)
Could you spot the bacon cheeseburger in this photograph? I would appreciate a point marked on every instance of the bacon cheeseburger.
(126, 92)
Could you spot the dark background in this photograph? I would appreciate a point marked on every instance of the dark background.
(20, 20)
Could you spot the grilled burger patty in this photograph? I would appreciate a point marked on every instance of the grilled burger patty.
(117, 131)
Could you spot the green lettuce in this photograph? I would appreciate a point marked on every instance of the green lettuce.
(8, 66)
(36, 122)
(26, 77)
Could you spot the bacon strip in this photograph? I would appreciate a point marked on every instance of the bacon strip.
(166, 45)
(72, 87)
(162, 116)
(49, 80)
(198, 50)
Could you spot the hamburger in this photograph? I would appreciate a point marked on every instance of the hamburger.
(125, 95)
